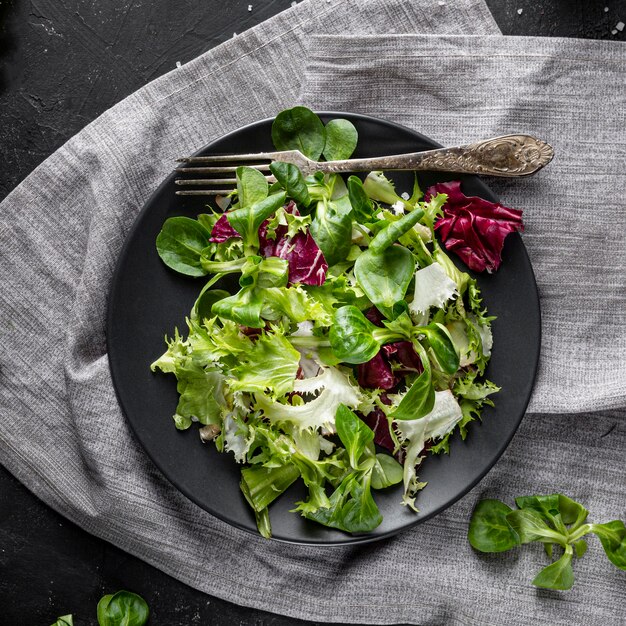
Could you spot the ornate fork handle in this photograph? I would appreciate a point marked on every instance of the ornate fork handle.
(509, 155)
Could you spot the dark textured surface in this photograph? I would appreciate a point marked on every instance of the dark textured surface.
(62, 63)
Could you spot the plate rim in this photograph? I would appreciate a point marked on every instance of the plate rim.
(349, 539)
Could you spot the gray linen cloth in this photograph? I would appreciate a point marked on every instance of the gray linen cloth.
(63, 435)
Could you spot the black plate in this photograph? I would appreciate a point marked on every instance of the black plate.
(148, 300)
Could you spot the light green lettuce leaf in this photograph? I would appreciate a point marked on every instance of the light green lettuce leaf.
(332, 388)
(270, 365)
(238, 436)
(201, 394)
(176, 354)
(295, 303)
(413, 434)
(433, 287)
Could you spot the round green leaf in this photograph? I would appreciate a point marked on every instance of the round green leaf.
(351, 336)
(206, 300)
(341, 140)
(123, 608)
(180, 244)
(387, 471)
(299, 129)
(385, 277)
(489, 530)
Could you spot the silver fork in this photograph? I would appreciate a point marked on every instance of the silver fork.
(509, 155)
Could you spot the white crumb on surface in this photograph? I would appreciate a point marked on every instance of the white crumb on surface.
(620, 26)
(520, 11)
(405, 195)
(398, 208)
(179, 64)
(249, 7)
(606, 9)
(234, 34)
(613, 32)
(293, 4)
(441, 3)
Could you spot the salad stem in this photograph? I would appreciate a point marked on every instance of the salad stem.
(308, 342)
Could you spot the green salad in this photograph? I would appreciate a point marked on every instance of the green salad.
(353, 347)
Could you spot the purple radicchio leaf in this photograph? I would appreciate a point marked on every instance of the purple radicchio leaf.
(376, 374)
(307, 264)
(403, 353)
(473, 228)
(377, 421)
(222, 230)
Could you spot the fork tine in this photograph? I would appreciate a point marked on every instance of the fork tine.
(204, 192)
(218, 170)
(214, 181)
(211, 181)
(216, 158)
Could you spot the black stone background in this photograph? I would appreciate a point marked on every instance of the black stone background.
(62, 63)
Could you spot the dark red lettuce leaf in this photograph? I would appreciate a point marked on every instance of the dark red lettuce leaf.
(307, 264)
(376, 374)
(473, 228)
(222, 231)
(375, 316)
(404, 353)
(377, 421)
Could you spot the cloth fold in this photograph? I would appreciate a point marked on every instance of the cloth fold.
(63, 435)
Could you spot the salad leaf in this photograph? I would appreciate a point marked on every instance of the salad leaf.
(612, 536)
(352, 336)
(292, 181)
(440, 342)
(386, 472)
(252, 186)
(394, 230)
(262, 485)
(351, 506)
(333, 388)
(64, 620)
(558, 575)
(376, 373)
(361, 203)
(180, 244)
(201, 395)
(385, 277)
(222, 230)
(403, 353)
(377, 420)
(433, 288)
(206, 300)
(413, 434)
(474, 228)
(307, 264)
(549, 519)
(299, 129)
(531, 526)
(379, 187)
(271, 365)
(123, 608)
(332, 231)
(419, 400)
(245, 308)
(247, 219)
(353, 433)
(341, 140)
(489, 529)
